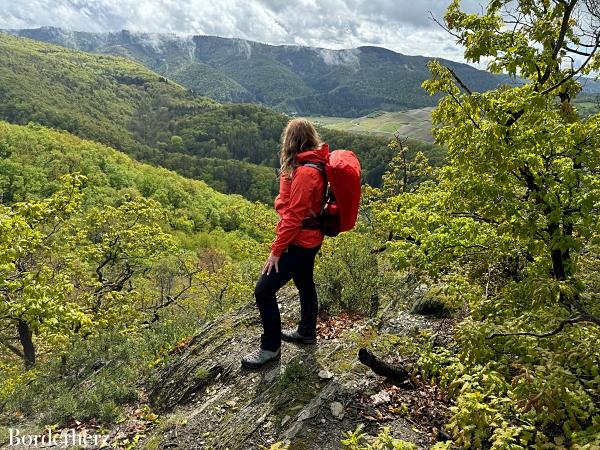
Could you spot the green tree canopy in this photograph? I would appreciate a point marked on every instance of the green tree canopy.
(511, 225)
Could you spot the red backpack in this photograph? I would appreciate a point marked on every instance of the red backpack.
(342, 194)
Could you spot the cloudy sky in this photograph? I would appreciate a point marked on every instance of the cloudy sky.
(401, 25)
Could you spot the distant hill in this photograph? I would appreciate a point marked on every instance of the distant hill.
(590, 86)
(118, 102)
(292, 79)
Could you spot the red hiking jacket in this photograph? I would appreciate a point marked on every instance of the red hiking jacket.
(297, 197)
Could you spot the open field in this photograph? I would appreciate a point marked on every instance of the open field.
(587, 104)
(413, 123)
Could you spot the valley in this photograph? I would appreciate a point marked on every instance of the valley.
(118, 102)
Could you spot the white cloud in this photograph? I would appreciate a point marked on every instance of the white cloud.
(401, 25)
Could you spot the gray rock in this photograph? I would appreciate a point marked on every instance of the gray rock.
(337, 410)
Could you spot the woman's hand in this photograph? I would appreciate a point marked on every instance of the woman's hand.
(272, 261)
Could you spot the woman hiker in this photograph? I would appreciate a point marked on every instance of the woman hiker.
(301, 193)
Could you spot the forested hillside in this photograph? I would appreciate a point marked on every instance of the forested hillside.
(122, 104)
(34, 158)
(96, 247)
(304, 80)
(233, 147)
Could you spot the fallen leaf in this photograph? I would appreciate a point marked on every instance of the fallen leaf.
(380, 397)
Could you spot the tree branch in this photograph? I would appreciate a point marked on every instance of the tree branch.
(12, 348)
(578, 52)
(584, 317)
(475, 216)
(459, 81)
(564, 27)
(575, 72)
(396, 373)
(445, 28)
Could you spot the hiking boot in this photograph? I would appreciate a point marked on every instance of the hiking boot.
(259, 358)
(294, 336)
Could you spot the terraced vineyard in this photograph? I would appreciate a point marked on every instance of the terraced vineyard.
(413, 123)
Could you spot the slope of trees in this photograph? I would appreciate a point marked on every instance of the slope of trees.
(34, 157)
(93, 242)
(509, 229)
(119, 103)
(304, 80)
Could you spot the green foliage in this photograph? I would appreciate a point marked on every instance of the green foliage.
(232, 147)
(36, 297)
(93, 378)
(359, 440)
(510, 226)
(295, 372)
(34, 158)
(435, 302)
(348, 276)
(122, 104)
(12, 378)
(404, 173)
(65, 273)
(118, 255)
(506, 403)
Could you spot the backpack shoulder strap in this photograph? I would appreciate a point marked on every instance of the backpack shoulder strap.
(319, 166)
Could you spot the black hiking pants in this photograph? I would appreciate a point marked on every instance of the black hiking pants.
(296, 263)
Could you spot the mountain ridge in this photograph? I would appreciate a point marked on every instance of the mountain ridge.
(290, 78)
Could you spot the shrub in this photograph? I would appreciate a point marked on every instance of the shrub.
(348, 276)
(97, 376)
(359, 440)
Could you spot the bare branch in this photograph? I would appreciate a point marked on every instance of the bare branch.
(562, 324)
(444, 27)
(459, 81)
(578, 52)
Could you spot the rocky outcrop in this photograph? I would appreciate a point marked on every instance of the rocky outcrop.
(305, 399)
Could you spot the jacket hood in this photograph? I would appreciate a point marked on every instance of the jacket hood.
(317, 155)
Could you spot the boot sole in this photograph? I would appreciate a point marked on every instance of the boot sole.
(305, 341)
(249, 365)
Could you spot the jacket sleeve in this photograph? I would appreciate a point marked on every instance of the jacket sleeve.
(298, 209)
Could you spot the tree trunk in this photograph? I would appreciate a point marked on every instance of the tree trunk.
(25, 337)
(374, 305)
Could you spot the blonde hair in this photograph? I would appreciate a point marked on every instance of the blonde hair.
(299, 135)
